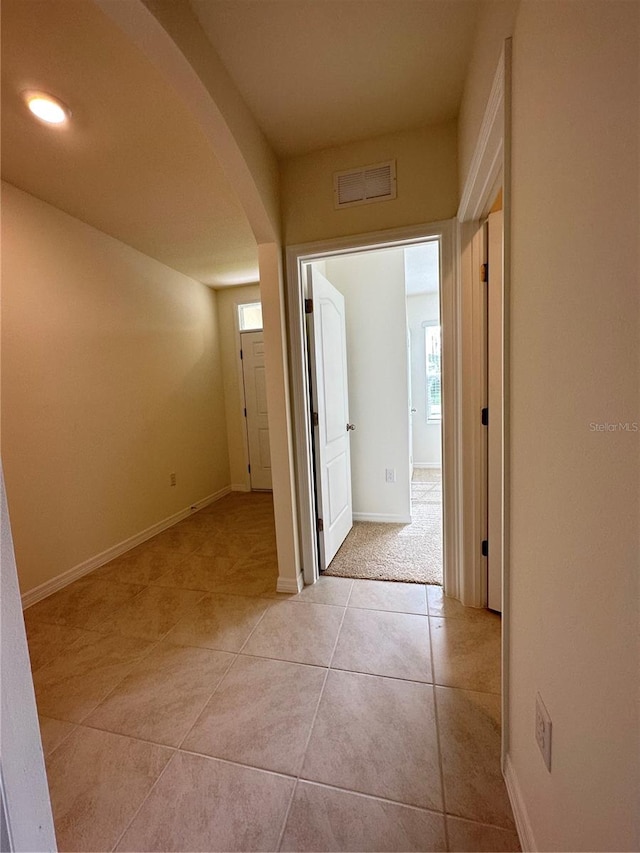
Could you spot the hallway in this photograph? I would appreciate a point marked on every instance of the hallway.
(187, 706)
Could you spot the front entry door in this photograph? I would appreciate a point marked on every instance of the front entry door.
(328, 357)
(255, 396)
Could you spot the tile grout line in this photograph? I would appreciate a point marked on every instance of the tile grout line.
(438, 741)
(251, 633)
(312, 726)
(58, 745)
(95, 728)
(285, 820)
(209, 698)
(378, 798)
(279, 773)
(129, 669)
(144, 800)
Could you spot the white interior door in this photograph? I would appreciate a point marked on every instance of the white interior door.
(255, 395)
(328, 358)
(495, 437)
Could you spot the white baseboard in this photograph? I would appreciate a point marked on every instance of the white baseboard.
(382, 518)
(523, 825)
(54, 584)
(240, 487)
(290, 585)
(427, 464)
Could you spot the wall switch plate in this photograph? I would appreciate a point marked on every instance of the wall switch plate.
(543, 731)
(390, 475)
(172, 479)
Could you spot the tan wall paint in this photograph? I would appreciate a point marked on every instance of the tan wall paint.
(575, 347)
(426, 175)
(111, 380)
(248, 158)
(228, 301)
(496, 20)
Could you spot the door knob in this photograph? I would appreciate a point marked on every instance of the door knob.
(350, 427)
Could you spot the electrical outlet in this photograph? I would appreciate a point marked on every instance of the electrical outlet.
(390, 475)
(543, 731)
(172, 479)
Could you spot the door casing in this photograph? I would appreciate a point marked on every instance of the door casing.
(297, 258)
(489, 170)
(259, 478)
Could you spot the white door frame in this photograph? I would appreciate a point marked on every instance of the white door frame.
(245, 486)
(451, 440)
(26, 822)
(243, 398)
(490, 169)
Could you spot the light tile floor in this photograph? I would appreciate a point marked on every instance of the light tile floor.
(185, 705)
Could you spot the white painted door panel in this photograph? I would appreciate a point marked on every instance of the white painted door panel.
(328, 356)
(495, 437)
(255, 395)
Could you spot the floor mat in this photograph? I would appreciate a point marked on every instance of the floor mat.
(398, 552)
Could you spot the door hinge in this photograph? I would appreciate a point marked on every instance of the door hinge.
(320, 525)
(308, 306)
(249, 468)
(485, 417)
(484, 272)
(314, 419)
(241, 356)
(485, 547)
(245, 413)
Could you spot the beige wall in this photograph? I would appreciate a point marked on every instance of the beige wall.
(376, 317)
(496, 20)
(426, 175)
(228, 301)
(111, 379)
(574, 491)
(236, 137)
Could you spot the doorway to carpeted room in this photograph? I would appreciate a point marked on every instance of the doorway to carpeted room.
(399, 552)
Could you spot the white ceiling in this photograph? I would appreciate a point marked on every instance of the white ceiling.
(133, 161)
(317, 73)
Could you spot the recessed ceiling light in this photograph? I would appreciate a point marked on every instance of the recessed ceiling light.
(46, 108)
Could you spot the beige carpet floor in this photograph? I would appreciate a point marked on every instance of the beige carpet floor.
(398, 552)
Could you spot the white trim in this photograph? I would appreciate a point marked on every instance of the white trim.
(449, 300)
(240, 487)
(240, 377)
(6, 842)
(60, 581)
(289, 585)
(382, 518)
(427, 465)
(23, 778)
(487, 159)
(520, 814)
(492, 157)
(471, 569)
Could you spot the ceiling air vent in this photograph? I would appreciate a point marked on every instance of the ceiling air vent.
(365, 185)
